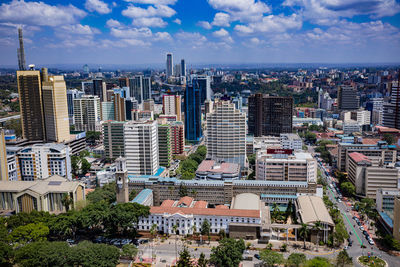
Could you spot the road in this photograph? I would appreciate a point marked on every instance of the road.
(356, 235)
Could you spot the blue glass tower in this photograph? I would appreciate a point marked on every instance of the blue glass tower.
(193, 131)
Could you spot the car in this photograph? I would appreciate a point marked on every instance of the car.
(257, 256)
(350, 243)
(346, 247)
(359, 223)
(99, 239)
(365, 232)
(362, 228)
(246, 252)
(371, 242)
(70, 241)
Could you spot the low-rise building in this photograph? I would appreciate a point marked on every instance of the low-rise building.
(211, 170)
(291, 141)
(145, 197)
(385, 200)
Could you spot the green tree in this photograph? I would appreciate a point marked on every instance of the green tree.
(304, 231)
(6, 254)
(317, 227)
(132, 195)
(348, 189)
(389, 138)
(184, 258)
(67, 201)
(343, 259)
(202, 151)
(29, 233)
(196, 157)
(340, 233)
(202, 262)
(189, 165)
(187, 175)
(85, 166)
(296, 259)
(183, 191)
(89, 254)
(125, 216)
(44, 253)
(318, 262)
(271, 258)
(129, 251)
(228, 253)
(311, 137)
(205, 228)
(107, 192)
(65, 225)
(15, 125)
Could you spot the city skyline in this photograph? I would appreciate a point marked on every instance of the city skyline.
(138, 32)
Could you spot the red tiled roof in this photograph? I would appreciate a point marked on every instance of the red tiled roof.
(200, 204)
(222, 207)
(167, 203)
(382, 129)
(370, 141)
(210, 212)
(358, 157)
(185, 200)
(211, 166)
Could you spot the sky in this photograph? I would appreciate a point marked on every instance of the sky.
(140, 32)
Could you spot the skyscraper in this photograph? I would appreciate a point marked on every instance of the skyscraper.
(119, 107)
(141, 147)
(146, 92)
(177, 137)
(226, 134)
(164, 144)
(204, 83)
(391, 110)
(130, 104)
(348, 98)
(21, 51)
(3, 158)
(183, 67)
(87, 113)
(169, 68)
(71, 95)
(270, 115)
(113, 138)
(172, 105)
(31, 107)
(136, 88)
(55, 108)
(99, 89)
(193, 130)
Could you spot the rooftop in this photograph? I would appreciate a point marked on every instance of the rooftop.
(312, 209)
(358, 157)
(212, 166)
(246, 201)
(142, 196)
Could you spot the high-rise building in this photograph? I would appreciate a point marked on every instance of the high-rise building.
(107, 111)
(183, 68)
(391, 110)
(21, 51)
(146, 93)
(169, 67)
(193, 130)
(136, 88)
(55, 107)
(123, 82)
(31, 106)
(113, 139)
(3, 158)
(87, 113)
(204, 83)
(141, 147)
(226, 134)
(130, 104)
(177, 137)
(348, 98)
(100, 89)
(164, 144)
(119, 107)
(41, 161)
(71, 95)
(148, 105)
(270, 115)
(172, 105)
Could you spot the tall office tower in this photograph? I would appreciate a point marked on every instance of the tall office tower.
(55, 108)
(71, 95)
(193, 130)
(21, 51)
(100, 89)
(183, 68)
(164, 144)
(270, 115)
(113, 139)
(123, 82)
(41, 161)
(238, 102)
(226, 134)
(107, 111)
(141, 147)
(87, 113)
(391, 110)
(87, 88)
(177, 70)
(204, 83)
(172, 105)
(3, 158)
(348, 98)
(136, 88)
(148, 105)
(177, 137)
(130, 104)
(119, 107)
(169, 68)
(146, 93)
(31, 106)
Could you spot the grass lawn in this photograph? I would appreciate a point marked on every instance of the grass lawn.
(372, 262)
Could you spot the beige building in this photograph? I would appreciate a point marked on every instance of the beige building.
(119, 107)
(87, 113)
(396, 219)
(54, 93)
(172, 105)
(41, 195)
(368, 176)
(3, 158)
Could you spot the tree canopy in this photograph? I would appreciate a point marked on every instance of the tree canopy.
(228, 253)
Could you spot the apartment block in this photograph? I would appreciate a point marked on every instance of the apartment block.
(113, 139)
(164, 145)
(172, 105)
(87, 113)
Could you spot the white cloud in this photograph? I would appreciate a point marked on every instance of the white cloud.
(221, 19)
(162, 36)
(153, 2)
(255, 41)
(244, 10)
(131, 33)
(326, 12)
(149, 22)
(177, 21)
(204, 24)
(221, 33)
(156, 11)
(79, 29)
(271, 23)
(190, 37)
(39, 13)
(135, 42)
(113, 23)
(98, 6)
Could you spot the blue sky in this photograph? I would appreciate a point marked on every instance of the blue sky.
(136, 32)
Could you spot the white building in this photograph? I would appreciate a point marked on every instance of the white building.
(351, 126)
(87, 113)
(226, 134)
(172, 105)
(41, 161)
(291, 141)
(363, 117)
(284, 165)
(385, 200)
(141, 147)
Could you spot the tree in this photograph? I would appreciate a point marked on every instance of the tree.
(132, 195)
(389, 138)
(228, 253)
(222, 234)
(311, 137)
(296, 259)
(317, 227)
(284, 247)
(65, 225)
(202, 262)
(67, 201)
(343, 259)
(6, 254)
(184, 258)
(15, 125)
(202, 151)
(205, 228)
(32, 232)
(125, 216)
(183, 191)
(85, 166)
(304, 231)
(129, 251)
(348, 189)
(107, 192)
(271, 258)
(318, 262)
(89, 254)
(340, 234)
